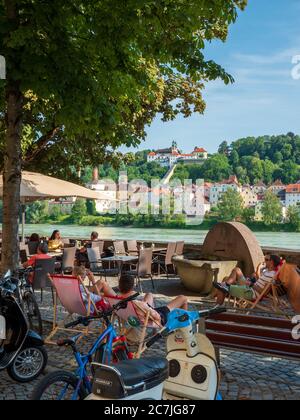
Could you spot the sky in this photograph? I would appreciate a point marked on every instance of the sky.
(265, 98)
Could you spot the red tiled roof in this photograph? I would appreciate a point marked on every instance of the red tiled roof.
(200, 150)
(293, 189)
(152, 154)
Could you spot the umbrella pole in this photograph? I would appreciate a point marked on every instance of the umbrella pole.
(23, 222)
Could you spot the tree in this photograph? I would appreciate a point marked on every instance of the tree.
(79, 210)
(271, 209)
(37, 212)
(216, 168)
(248, 215)
(230, 207)
(294, 217)
(224, 149)
(85, 76)
(91, 207)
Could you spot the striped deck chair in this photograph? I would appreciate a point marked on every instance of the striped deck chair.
(132, 324)
(68, 290)
(270, 294)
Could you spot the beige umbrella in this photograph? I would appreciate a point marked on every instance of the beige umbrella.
(35, 187)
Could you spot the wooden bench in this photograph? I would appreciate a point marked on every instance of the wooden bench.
(254, 334)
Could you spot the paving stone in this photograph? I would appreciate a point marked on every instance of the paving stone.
(244, 376)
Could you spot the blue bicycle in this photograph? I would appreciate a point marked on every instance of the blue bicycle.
(108, 348)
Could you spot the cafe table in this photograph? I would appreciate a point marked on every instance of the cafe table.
(121, 260)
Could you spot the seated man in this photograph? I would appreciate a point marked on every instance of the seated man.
(237, 285)
(126, 287)
(81, 254)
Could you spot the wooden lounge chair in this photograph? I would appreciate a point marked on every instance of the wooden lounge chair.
(271, 294)
(68, 292)
(132, 325)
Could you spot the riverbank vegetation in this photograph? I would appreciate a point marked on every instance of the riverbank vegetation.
(230, 209)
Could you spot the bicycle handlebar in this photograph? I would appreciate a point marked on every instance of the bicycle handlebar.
(203, 314)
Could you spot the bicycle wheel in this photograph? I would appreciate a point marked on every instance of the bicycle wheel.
(33, 313)
(58, 386)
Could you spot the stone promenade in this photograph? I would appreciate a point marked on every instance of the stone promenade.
(244, 376)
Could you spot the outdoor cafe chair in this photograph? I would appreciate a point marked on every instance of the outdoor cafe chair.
(100, 245)
(143, 268)
(96, 265)
(134, 321)
(68, 290)
(132, 247)
(40, 276)
(165, 260)
(24, 253)
(33, 247)
(68, 260)
(179, 248)
(119, 248)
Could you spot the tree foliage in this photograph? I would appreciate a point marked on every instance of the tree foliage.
(94, 73)
(230, 207)
(271, 209)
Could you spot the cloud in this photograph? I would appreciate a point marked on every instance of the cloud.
(281, 57)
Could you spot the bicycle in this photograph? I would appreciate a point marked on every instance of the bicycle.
(109, 347)
(27, 300)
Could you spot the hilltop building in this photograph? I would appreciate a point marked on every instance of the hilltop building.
(171, 156)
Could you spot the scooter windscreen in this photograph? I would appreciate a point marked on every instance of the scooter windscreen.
(14, 329)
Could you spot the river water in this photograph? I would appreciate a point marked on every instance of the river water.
(266, 239)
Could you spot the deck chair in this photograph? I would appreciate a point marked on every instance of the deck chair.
(132, 326)
(271, 294)
(67, 291)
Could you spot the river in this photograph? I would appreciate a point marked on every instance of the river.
(267, 239)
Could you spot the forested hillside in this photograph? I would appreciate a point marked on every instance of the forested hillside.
(266, 158)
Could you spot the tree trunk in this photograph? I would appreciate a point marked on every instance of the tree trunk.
(12, 180)
(12, 159)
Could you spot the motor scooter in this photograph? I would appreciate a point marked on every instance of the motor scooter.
(190, 371)
(22, 351)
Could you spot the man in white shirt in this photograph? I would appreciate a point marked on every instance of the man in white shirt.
(239, 286)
